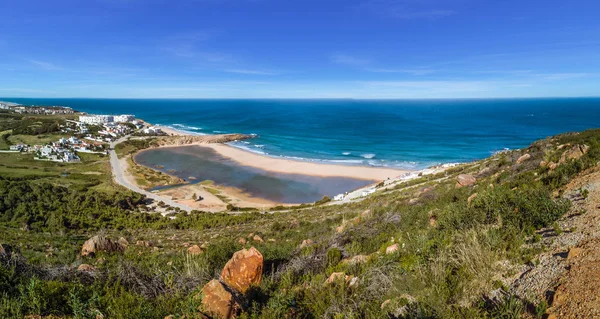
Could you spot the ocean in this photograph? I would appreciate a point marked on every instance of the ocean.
(410, 134)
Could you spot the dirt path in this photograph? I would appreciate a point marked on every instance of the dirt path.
(567, 274)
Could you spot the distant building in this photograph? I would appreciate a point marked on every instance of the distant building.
(96, 119)
(152, 130)
(124, 118)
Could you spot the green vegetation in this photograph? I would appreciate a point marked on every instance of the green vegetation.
(450, 250)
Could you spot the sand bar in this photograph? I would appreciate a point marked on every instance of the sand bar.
(281, 165)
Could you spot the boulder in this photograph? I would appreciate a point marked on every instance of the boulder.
(217, 301)
(523, 158)
(463, 180)
(100, 243)
(195, 250)
(392, 249)
(86, 268)
(243, 270)
(306, 243)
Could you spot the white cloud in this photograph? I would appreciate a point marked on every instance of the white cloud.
(46, 65)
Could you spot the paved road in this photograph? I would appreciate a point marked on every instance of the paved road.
(118, 168)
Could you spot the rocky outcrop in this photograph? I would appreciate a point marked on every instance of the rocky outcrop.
(204, 139)
(243, 270)
(217, 301)
(100, 243)
(574, 152)
(463, 180)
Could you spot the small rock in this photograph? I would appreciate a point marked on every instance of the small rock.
(336, 276)
(242, 241)
(392, 249)
(86, 268)
(258, 239)
(306, 243)
(123, 241)
(339, 229)
(523, 158)
(574, 252)
(471, 198)
(143, 243)
(352, 282)
(355, 260)
(366, 214)
(195, 250)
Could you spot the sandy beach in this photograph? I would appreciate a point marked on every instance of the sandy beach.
(281, 165)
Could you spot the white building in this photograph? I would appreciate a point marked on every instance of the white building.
(124, 118)
(96, 119)
(152, 130)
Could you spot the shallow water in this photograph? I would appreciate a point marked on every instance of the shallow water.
(205, 164)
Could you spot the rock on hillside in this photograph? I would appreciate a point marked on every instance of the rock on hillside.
(217, 301)
(463, 180)
(243, 270)
(100, 243)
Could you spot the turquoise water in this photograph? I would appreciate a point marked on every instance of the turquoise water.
(395, 133)
(203, 163)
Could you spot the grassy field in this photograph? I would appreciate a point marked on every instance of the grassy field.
(92, 172)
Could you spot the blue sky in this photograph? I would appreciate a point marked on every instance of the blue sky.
(299, 48)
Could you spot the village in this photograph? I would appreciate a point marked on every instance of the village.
(89, 134)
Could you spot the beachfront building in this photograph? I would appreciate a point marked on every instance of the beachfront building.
(124, 118)
(152, 130)
(96, 119)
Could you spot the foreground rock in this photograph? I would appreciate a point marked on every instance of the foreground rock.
(463, 180)
(243, 270)
(217, 301)
(100, 243)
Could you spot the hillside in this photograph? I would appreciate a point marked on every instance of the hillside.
(507, 236)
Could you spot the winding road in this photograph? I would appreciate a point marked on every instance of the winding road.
(119, 167)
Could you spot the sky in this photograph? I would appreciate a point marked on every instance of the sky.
(372, 49)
